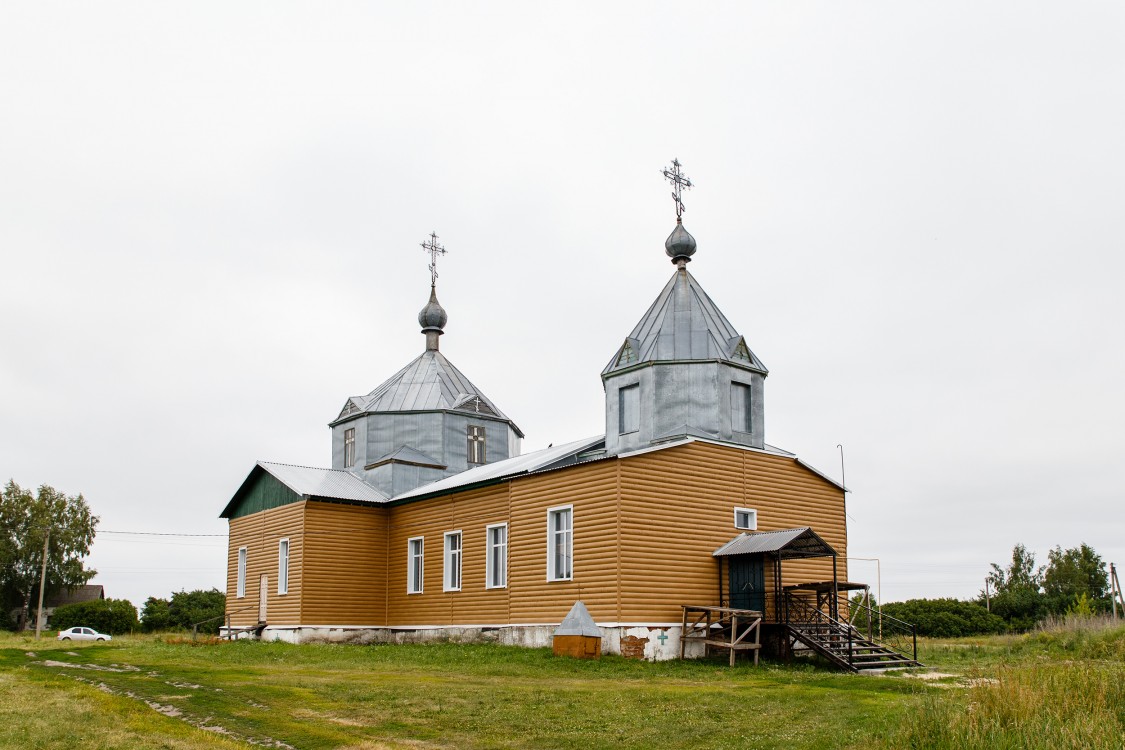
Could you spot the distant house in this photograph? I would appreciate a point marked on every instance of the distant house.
(87, 593)
(431, 524)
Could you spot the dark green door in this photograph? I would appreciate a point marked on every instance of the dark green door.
(748, 582)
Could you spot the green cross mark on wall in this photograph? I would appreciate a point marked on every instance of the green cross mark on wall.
(662, 637)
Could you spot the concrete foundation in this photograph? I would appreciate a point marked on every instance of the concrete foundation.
(651, 643)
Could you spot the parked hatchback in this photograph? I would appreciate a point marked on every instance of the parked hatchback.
(83, 634)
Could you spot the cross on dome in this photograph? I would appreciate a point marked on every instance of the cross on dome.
(680, 181)
(434, 249)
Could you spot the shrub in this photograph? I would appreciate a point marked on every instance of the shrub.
(113, 616)
(155, 615)
(946, 618)
(184, 609)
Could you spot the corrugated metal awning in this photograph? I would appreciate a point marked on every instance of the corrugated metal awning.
(800, 542)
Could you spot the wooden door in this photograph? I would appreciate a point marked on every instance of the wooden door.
(263, 591)
(748, 582)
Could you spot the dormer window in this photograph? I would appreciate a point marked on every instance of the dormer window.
(476, 444)
(629, 409)
(349, 447)
(740, 416)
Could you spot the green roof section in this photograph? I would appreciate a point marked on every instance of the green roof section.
(261, 491)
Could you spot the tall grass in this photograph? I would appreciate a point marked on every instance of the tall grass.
(1063, 686)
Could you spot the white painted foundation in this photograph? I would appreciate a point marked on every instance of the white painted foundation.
(640, 641)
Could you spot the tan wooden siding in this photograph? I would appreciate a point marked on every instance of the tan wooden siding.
(678, 507)
(644, 530)
(260, 534)
(345, 565)
(592, 490)
(468, 512)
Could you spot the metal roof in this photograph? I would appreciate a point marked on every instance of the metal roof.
(799, 542)
(509, 467)
(579, 622)
(407, 455)
(429, 383)
(335, 484)
(683, 324)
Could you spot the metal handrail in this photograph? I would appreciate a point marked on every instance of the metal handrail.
(872, 614)
(224, 616)
(812, 614)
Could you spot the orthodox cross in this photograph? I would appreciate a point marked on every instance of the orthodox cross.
(679, 181)
(434, 249)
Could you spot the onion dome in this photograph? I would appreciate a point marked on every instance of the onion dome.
(432, 319)
(680, 245)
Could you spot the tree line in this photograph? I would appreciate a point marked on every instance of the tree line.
(1020, 594)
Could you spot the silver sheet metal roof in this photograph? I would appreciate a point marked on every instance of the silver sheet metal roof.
(540, 460)
(335, 484)
(408, 455)
(683, 324)
(429, 383)
(799, 542)
(509, 467)
(579, 622)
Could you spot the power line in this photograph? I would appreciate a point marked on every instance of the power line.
(155, 533)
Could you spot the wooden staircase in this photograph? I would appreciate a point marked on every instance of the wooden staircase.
(841, 643)
(847, 648)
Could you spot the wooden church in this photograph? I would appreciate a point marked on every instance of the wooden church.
(431, 524)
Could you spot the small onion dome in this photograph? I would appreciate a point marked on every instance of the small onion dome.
(432, 317)
(680, 245)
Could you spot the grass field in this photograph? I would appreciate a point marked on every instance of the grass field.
(1058, 689)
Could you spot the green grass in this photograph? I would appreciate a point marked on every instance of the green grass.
(480, 696)
(1055, 688)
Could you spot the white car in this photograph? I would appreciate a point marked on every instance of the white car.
(83, 634)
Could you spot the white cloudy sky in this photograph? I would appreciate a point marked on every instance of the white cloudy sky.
(210, 216)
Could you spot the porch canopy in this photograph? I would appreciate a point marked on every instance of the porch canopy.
(787, 544)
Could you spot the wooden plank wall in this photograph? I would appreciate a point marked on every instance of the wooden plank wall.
(345, 570)
(677, 507)
(260, 534)
(592, 489)
(468, 512)
(645, 528)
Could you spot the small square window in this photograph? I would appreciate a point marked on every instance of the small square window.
(746, 518)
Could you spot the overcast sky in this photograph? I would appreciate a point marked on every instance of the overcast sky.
(210, 216)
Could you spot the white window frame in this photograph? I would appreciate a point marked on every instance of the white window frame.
(752, 525)
(552, 544)
(451, 574)
(476, 449)
(491, 580)
(283, 566)
(414, 583)
(349, 447)
(240, 589)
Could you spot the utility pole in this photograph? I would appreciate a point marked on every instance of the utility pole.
(42, 584)
(987, 601)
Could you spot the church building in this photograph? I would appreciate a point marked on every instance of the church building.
(432, 524)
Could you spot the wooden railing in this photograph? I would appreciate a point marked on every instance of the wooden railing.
(721, 627)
